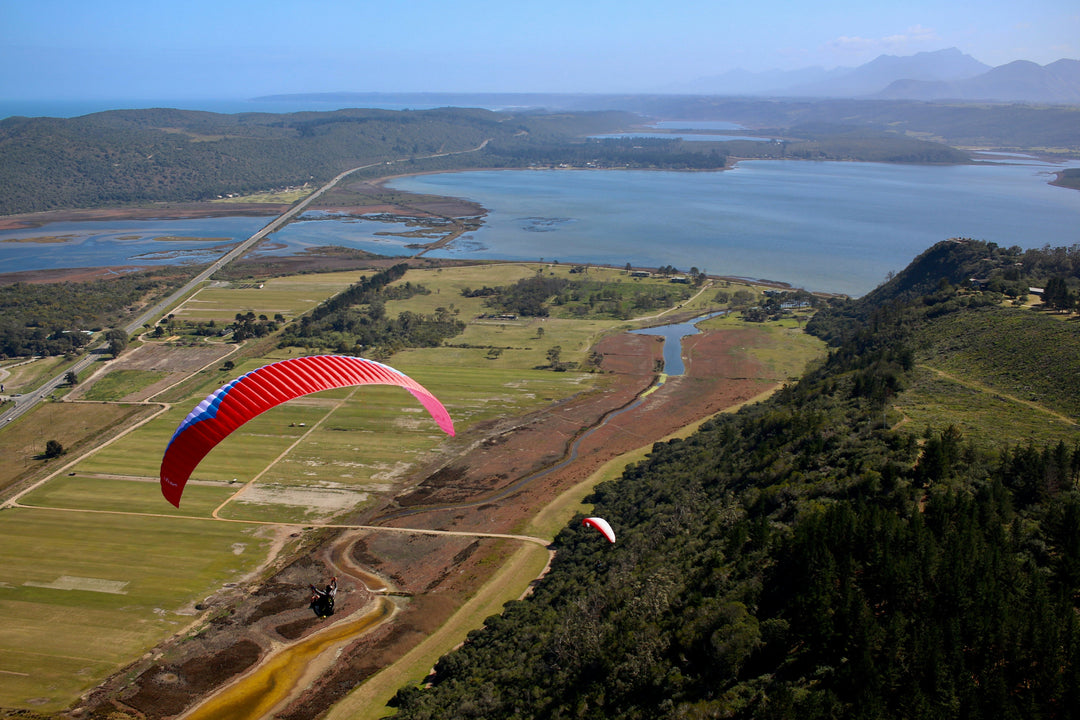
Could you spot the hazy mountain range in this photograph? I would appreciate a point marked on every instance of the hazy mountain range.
(940, 75)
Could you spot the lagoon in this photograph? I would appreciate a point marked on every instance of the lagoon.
(824, 226)
(111, 243)
(673, 335)
(686, 137)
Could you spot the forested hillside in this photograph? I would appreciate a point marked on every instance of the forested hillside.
(802, 559)
(139, 157)
(143, 156)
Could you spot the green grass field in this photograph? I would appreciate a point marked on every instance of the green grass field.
(82, 593)
(76, 426)
(290, 296)
(988, 418)
(120, 383)
(98, 567)
(997, 374)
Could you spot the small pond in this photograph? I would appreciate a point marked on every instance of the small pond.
(673, 335)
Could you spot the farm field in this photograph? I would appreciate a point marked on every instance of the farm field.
(142, 566)
(84, 593)
(289, 296)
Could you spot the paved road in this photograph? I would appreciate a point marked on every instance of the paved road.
(24, 403)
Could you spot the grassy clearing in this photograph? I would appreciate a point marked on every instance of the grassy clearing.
(73, 612)
(118, 384)
(286, 197)
(289, 296)
(1028, 354)
(781, 346)
(26, 375)
(125, 495)
(76, 426)
(990, 419)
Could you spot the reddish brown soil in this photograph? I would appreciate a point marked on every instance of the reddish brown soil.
(432, 575)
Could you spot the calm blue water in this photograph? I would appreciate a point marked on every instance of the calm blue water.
(830, 226)
(673, 335)
(688, 137)
(101, 243)
(316, 229)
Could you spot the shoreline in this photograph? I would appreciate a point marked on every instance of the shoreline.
(360, 197)
(167, 211)
(212, 209)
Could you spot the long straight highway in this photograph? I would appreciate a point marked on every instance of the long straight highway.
(24, 403)
(27, 401)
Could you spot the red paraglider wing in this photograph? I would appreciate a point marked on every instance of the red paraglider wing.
(234, 404)
(602, 525)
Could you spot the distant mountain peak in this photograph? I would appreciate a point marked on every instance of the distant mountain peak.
(948, 73)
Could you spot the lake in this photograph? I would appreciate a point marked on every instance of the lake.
(687, 137)
(100, 243)
(828, 226)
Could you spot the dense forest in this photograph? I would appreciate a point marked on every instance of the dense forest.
(140, 157)
(803, 559)
(57, 318)
(541, 296)
(146, 156)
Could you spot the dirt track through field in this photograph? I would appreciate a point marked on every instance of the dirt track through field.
(631, 413)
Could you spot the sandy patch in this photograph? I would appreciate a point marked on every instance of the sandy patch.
(70, 582)
(318, 501)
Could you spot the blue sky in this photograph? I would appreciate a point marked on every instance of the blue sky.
(76, 49)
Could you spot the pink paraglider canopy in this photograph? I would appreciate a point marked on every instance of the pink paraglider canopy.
(234, 404)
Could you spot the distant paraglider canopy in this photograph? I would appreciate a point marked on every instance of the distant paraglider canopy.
(235, 403)
(602, 525)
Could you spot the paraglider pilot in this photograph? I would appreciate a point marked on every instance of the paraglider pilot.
(322, 601)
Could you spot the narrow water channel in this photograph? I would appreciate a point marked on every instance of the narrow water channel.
(274, 680)
(673, 335)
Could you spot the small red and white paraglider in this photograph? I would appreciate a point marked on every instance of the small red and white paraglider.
(602, 525)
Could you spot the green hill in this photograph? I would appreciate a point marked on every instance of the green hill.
(809, 557)
(993, 274)
(146, 156)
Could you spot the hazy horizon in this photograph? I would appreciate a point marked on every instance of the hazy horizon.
(120, 49)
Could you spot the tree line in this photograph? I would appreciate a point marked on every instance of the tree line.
(799, 559)
(355, 320)
(145, 156)
(58, 318)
